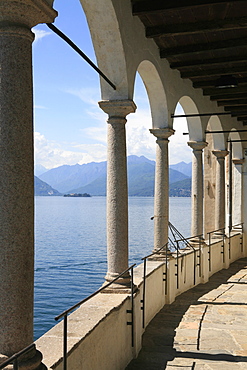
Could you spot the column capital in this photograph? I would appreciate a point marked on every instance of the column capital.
(220, 154)
(162, 133)
(27, 13)
(197, 145)
(117, 108)
(238, 161)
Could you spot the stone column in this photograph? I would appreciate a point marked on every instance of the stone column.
(17, 177)
(220, 188)
(161, 193)
(244, 202)
(197, 187)
(237, 191)
(117, 191)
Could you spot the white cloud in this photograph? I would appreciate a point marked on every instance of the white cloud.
(96, 133)
(51, 154)
(89, 95)
(94, 147)
(179, 150)
(40, 34)
(139, 139)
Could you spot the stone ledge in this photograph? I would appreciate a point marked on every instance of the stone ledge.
(80, 324)
(83, 321)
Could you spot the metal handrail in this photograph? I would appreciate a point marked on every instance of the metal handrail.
(241, 224)
(221, 232)
(187, 243)
(230, 230)
(65, 313)
(14, 358)
(144, 280)
(182, 238)
(214, 231)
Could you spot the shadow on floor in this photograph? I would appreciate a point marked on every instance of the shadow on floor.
(158, 340)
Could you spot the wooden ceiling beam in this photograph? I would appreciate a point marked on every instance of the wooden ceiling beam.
(203, 63)
(227, 97)
(239, 109)
(183, 29)
(156, 6)
(222, 92)
(239, 114)
(202, 48)
(234, 102)
(205, 84)
(214, 72)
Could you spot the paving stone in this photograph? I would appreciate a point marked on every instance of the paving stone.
(204, 329)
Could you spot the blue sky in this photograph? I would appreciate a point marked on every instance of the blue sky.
(69, 126)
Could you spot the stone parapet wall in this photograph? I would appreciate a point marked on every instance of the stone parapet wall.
(98, 335)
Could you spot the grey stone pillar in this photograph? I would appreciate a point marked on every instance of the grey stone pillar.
(237, 190)
(16, 180)
(117, 191)
(197, 187)
(220, 188)
(161, 193)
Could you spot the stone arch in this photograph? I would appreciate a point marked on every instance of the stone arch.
(194, 123)
(105, 32)
(156, 93)
(236, 177)
(104, 28)
(237, 150)
(218, 140)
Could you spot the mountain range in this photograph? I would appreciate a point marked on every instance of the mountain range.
(91, 178)
(42, 188)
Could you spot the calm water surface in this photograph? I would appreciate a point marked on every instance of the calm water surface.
(70, 242)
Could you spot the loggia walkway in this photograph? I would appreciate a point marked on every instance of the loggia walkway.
(205, 328)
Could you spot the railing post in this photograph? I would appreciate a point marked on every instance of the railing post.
(223, 246)
(132, 307)
(200, 258)
(195, 264)
(166, 273)
(177, 269)
(65, 334)
(15, 364)
(229, 242)
(241, 238)
(158, 251)
(209, 251)
(144, 292)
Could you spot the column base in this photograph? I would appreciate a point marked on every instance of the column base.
(31, 360)
(4, 358)
(122, 285)
(217, 236)
(196, 242)
(160, 256)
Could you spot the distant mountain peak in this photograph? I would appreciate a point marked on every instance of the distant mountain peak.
(39, 169)
(142, 159)
(91, 177)
(185, 168)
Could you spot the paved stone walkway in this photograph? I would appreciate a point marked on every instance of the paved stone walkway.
(205, 328)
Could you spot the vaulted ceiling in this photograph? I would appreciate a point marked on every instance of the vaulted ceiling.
(204, 40)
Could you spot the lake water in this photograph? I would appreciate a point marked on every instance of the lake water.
(70, 248)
